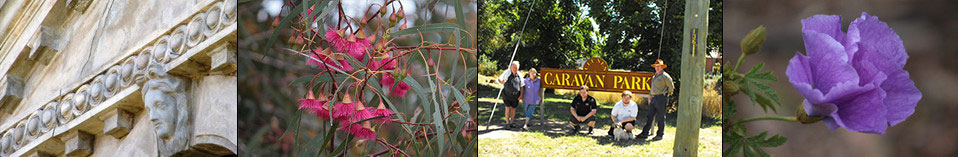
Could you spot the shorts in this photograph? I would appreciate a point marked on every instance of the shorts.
(511, 102)
(587, 120)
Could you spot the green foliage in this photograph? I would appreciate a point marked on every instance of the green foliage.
(739, 142)
(753, 84)
(487, 66)
(759, 81)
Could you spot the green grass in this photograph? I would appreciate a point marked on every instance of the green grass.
(541, 144)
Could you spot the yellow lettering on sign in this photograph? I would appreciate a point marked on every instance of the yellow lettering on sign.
(565, 79)
(646, 83)
(636, 82)
(615, 81)
(545, 78)
(591, 81)
(600, 78)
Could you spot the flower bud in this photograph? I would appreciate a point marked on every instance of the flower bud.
(730, 88)
(363, 21)
(753, 41)
(347, 99)
(804, 118)
(341, 32)
(351, 38)
(323, 97)
(402, 27)
(393, 19)
(361, 34)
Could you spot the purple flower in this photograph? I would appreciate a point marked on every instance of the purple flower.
(856, 79)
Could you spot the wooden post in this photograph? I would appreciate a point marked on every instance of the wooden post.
(693, 78)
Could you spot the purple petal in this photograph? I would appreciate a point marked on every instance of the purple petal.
(827, 62)
(862, 113)
(800, 75)
(902, 97)
(887, 45)
(827, 24)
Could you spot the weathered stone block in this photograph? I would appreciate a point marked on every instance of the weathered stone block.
(78, 143)
(118, 123)
(223, 58)
(11, 92)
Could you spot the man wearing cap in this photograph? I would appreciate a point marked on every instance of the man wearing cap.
(659, 96)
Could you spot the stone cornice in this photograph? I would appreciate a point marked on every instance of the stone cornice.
(212, 23)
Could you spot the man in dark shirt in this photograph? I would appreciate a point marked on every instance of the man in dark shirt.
(583, 110)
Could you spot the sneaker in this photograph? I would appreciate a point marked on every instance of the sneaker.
(575, 129)
(656, 138)
(525, 128)
(590, 130)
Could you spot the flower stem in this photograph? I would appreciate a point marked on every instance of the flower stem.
(739, 62)
(781, 118)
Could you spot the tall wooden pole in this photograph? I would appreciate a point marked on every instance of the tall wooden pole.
(693, 78)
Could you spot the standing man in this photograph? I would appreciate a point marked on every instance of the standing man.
(661, 90)
(511, 82)
(583, 110)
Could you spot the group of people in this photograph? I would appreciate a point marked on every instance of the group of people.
(583, 106)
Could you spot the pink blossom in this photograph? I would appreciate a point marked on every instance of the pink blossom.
(343, 64)
(385, 113)
(361, 114)
(375, 64)
(351, 45)
(396, 88)
(360, 131)
(343, 111)
(315, 106)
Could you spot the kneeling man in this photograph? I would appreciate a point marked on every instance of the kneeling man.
(624, 113)
(583, 110)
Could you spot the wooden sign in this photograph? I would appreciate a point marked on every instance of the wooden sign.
(595, 74)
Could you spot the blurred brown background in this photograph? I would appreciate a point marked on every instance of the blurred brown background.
(926, 27)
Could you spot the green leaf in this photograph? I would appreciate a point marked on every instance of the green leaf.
(469, 76)
(459, 98)
(728, 108)
(329, 133)
(758, 80)
(750, 146)
(343, 145)
(428, 28)
(461, 19)
(416, 87)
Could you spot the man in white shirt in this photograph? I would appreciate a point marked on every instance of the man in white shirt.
(624, 113)
(512, 84)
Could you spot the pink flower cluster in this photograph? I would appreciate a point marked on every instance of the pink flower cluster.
(356, 46)
(348, 114)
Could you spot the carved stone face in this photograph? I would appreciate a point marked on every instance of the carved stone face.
(162, 111)
(165, 99)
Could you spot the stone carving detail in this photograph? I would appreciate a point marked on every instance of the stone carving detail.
(165, 99)
(79, 5)
(136, 69)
